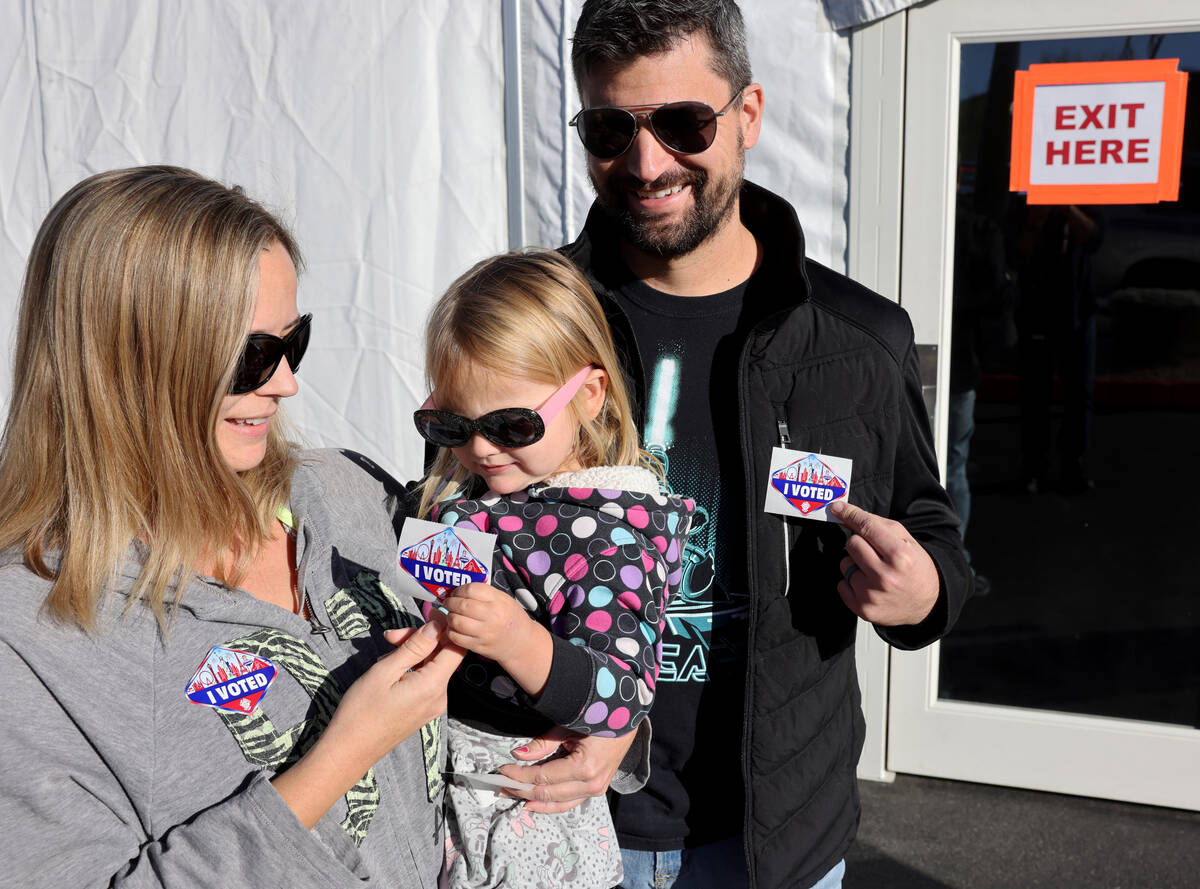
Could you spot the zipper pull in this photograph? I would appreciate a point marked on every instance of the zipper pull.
(318, 628)
(785, 437)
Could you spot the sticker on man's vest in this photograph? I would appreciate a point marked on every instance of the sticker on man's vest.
(435, 559)
(804, 485)
(229, 679)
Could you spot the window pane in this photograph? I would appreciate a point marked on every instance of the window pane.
(1076, 358)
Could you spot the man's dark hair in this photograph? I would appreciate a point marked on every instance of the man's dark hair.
(623, 30)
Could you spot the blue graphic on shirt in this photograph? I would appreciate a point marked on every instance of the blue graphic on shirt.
(702, 607)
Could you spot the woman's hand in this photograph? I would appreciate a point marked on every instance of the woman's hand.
(493, 624)
(402, 691)
(584, 768)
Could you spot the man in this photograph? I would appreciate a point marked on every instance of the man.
(737, 344)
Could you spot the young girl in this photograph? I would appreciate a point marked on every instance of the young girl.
(537, 443)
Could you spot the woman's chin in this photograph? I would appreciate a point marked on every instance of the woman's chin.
(245, 457)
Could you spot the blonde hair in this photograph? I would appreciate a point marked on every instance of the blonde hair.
(139, 292)
(528, 314)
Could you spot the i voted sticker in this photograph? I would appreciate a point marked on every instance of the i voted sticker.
(229, 679)
(435, 559)
(804, 484)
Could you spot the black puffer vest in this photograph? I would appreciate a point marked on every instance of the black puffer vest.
(834, 365)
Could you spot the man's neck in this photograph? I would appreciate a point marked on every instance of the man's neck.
(727, 258)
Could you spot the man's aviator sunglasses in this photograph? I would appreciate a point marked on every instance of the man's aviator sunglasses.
(262, 355)
(508, 427)
(683, 127)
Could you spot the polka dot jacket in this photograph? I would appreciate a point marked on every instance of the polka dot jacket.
(596, 566)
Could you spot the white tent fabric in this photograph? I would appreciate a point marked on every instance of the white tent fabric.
(850, 13)
(803, 65)
(378, 130)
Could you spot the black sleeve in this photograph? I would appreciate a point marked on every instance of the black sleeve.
(921, 504)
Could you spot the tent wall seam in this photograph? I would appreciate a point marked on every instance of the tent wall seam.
(514, 122)
(566, 78)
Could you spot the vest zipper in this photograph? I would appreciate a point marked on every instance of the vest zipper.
(752, 579)
(785, 441)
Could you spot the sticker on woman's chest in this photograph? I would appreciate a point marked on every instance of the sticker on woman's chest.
(229, 679)
(803, 484)
(435, 559)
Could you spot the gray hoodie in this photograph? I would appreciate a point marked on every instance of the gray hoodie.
(111, 774)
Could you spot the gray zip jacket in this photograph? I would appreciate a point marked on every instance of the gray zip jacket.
(110, 774)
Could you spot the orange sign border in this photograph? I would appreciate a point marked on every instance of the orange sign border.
(1170, 156)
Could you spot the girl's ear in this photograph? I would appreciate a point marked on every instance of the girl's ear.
(593, 391)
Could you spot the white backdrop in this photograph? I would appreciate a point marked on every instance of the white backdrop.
(378, 131)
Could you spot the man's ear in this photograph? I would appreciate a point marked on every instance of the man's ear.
(593, 392)
(751, 113)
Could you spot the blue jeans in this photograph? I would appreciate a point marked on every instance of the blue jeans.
(961, 427)
(720, 865)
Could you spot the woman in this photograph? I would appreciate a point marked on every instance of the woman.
(193, 611)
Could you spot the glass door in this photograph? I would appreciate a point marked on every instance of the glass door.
(1068, 417)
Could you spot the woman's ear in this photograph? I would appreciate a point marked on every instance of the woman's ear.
(593, 392)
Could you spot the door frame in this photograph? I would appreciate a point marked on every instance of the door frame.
(873, 259)
(904, 248)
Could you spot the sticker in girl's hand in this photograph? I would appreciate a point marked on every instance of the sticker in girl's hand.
(435, 559)
(803, 484)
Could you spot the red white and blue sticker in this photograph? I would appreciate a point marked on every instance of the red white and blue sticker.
(435, 559)
(803, 484)
(229, 679)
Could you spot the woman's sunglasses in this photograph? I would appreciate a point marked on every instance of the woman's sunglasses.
(262, 355)
(508, 427)
(684, 127)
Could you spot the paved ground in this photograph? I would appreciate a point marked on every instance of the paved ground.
(925, 833)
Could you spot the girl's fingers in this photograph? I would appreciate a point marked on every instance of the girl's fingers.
(468, 635)
(457, 605)
(477, 591)
(464, 623)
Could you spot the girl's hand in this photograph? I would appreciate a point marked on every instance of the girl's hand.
(487, 621)
(493, 624)
(402, 691)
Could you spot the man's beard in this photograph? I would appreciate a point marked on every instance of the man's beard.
(712, 204)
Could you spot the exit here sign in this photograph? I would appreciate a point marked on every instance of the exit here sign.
(1098, 132)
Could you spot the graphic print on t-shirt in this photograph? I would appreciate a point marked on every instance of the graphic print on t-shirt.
(702, 608)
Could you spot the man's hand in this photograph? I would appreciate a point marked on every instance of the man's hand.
(889, 579)
(584, 769)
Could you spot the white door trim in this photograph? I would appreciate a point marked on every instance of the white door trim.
(1085, 755)
(1121, 759)
(876, 134)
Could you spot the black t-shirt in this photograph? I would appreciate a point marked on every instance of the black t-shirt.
(689, 347)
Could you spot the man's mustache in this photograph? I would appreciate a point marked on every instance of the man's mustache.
(669, 179)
